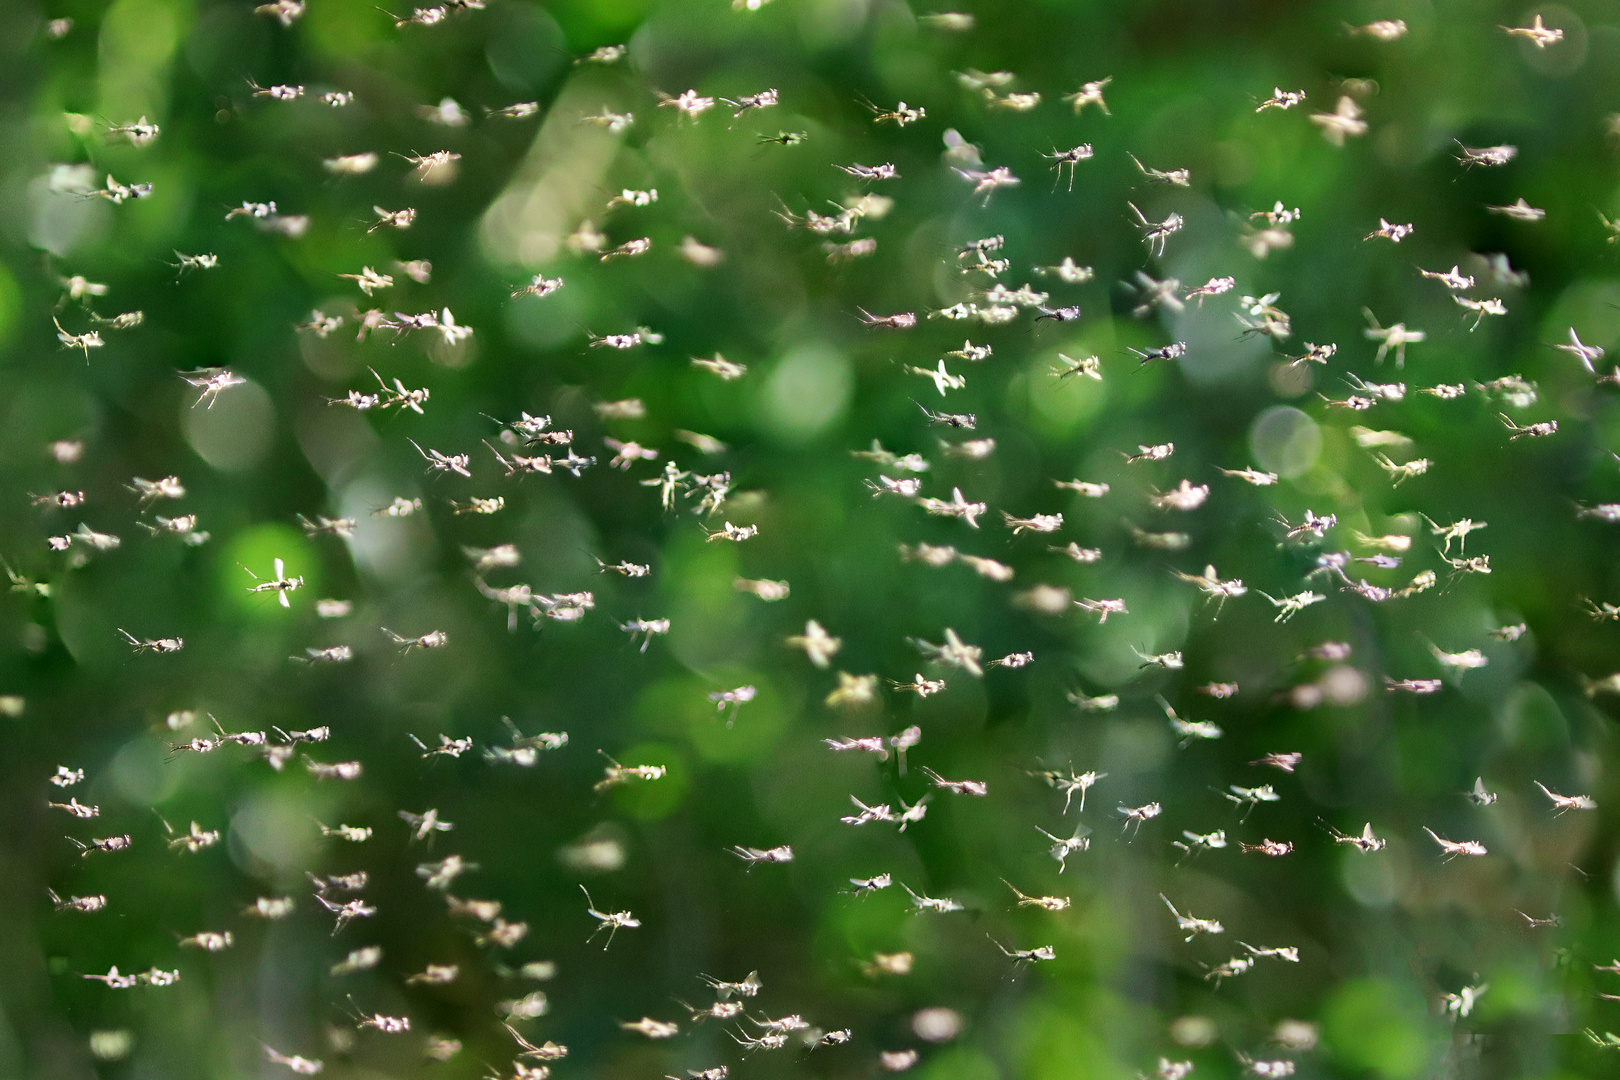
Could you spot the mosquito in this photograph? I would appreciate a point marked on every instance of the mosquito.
(208, 941)
(1150, 453)
(1230, 969)
(1453, 848)
(1289, 606)
(957, 787)
(609, 922)
(539, 286)
(1071, 157)
(193, 840)
(1193, 926)
(1169, 661)
(1100, 703)
(438, 462)
(276, 93)
(1366, 842)
(615, 123)
(929, 903)
(1313, 525)
(1090, 93)
(735, 533)
(617, 774)
(153, 645)
(1289, 953)
(204, 261)
(393, 219)
(1250, 797)
(1215, 286)
(1565, 803)
(1537, 33)
(1528, 431)
(1175, 177)
(1251, 476)
(1102, 608)
(433, 639)
(1026, 956)
(1396, 337)
(1135, 815)
(1173, 351)
(1393, 233)
(1189, 729)
(1063, 847)
(86, 341)
(1274, 848)
(768, 1041)
(1200, 841)
(281, 584)
(1602, 610)
(1089, 366)
(74, 807)
(388, 1025)
(690, 104)
(900, 115)
(1281, 99)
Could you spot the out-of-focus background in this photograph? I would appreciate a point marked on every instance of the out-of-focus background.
(1382, 938)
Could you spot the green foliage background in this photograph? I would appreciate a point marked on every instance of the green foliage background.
(1381, 937)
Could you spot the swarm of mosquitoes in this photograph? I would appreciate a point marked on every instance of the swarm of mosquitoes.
(525, 444)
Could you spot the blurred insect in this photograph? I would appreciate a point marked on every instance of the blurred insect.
(1274, 848)
(1343, 122)
(1013, 660)
(1453, 848)
(1169, 661)
(1519, 211)
(1135, 815)
(1090, 93)
(1478, 795)
(117, 193)
(1393, 233)
(276, 93)
(929, 903)
(1289, 953)
(1537, 33)
(89, 340)
(208, 941)
(1089, 366)
(1193, 926)
(1063, 847)
(617, 774)
(1200, 841)
(1189, 730)
(193, 840)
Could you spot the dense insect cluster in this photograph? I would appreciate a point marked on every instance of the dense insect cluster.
(824, 646)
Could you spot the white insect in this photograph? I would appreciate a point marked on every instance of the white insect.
(281, 584)
(611, 922)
